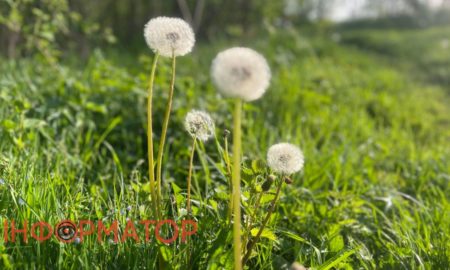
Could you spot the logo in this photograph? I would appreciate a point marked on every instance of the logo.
(66, 231)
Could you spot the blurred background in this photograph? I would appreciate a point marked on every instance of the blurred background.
(52, 27)
(361, 86)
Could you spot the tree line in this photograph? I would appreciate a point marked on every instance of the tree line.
(50, 26)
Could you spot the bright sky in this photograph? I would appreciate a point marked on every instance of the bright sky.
(346, 8)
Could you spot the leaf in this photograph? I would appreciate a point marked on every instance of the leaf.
(34, 123)
(6, 261)
(221, 194)
(146, 187)
(221, 259)
(266, 233)
(113, 124)
(8, 124)
(213, 204)
(336, 259)
(294, 237)
(337, 243)
(100, 108)
(19, 142)
(176, 188)
(179, 198)
(247, 175)
(258, 166)
(136, 186)
(267, 197)
(166, 253)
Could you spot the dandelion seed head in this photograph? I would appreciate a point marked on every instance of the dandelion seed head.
(77, 240)
(199, 125)
(2, 182)
(285, 158)
(21, 201)
(166, 35)
(241, 73)
(183, 212)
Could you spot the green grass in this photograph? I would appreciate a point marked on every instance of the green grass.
(374, 193)
(429, 49)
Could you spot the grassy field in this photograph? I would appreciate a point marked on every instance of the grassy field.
(370, 111)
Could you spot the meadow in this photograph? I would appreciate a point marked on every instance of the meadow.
(373, 123)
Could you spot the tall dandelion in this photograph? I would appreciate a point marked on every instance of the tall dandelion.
(284, 159)
(241, 73)
(168, 37)
(244, 75)
(201, 127)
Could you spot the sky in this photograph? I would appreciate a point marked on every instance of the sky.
(345, 9)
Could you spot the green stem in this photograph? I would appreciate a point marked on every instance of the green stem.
(191, 163)
(151, 164)
(236, 178)
(263, 225)
(227, 161)
(164, 130)
(188, 203)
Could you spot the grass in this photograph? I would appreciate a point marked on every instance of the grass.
(429, 49)
(374, 193)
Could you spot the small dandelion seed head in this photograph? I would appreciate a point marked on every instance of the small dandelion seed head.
(77, 240)
(183, 212)
(21, 201)
(199, 125)
(168, 36)
(285, 158)
(241, 73)
(2, 182)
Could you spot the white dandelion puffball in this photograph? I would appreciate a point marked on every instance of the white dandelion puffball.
(199, 125)
(241, 73)
(166, 35)
(285, 158)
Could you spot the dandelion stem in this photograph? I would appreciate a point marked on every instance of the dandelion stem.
(236, 178)
(227, 161)
(188, 200)
(191, 162)
(151, 166)
(164, 130)
(252, 243)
